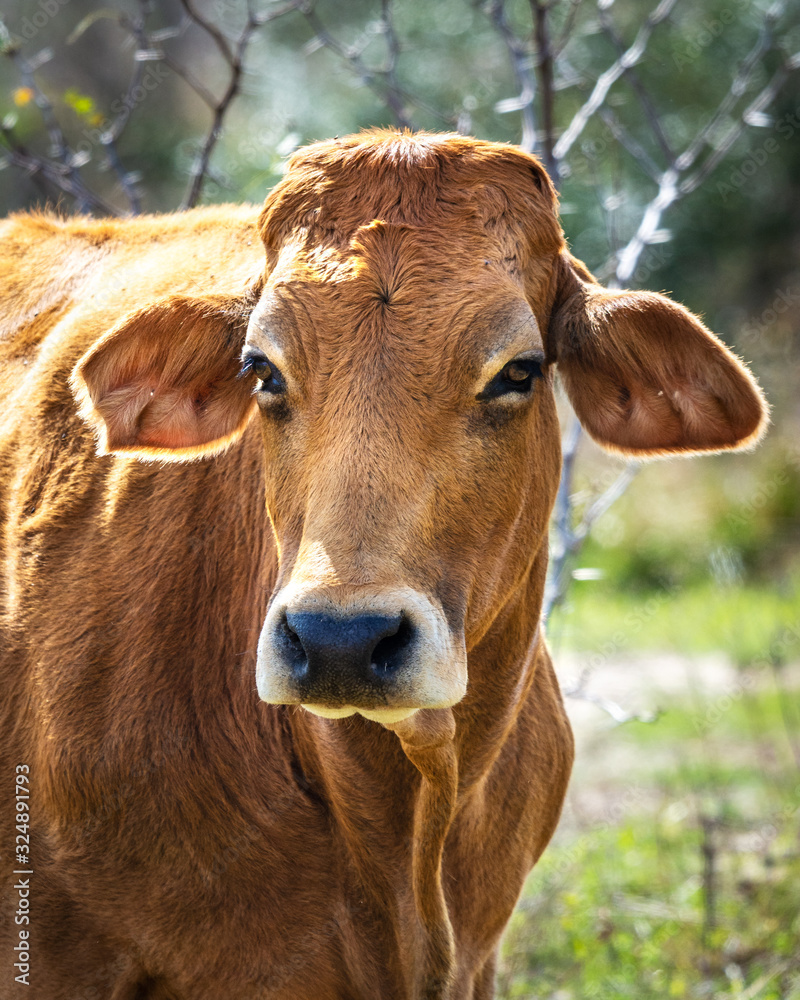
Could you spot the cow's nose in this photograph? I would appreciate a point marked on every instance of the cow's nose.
(338, 652)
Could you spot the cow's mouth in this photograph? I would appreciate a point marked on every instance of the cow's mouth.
(387, 716)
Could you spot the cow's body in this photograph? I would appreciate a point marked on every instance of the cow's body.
(182, 831)
(190, 841)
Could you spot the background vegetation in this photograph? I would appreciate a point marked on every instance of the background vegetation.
(674, 132)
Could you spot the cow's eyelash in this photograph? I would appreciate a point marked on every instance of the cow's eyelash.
(255, 364)
(247, 367)
(270, 379)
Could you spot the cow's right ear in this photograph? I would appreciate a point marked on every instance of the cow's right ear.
(162, 384)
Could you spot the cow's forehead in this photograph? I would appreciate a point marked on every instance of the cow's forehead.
(407, 242)
(397, 292)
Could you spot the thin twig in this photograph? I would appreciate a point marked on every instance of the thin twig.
(392, 57)
(235, 62)
(212, 31)
(566, 30)
(381, 81)
(56, 174)
(112, 134)
(60, 169)
(670, 189)
(568, 540)
(738, 85)
(764, 99)
(191, 80)
(63, 171)
(638, 87)
(627, 141)
(520, 58)
(619, 714)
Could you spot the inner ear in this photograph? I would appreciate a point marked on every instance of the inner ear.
(163, 383)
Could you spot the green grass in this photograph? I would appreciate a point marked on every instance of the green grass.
(696, 557)
(751, 623)
(685, 881)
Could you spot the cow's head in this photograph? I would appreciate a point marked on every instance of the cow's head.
(399, 354)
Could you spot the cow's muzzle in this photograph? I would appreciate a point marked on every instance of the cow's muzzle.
(383, 654)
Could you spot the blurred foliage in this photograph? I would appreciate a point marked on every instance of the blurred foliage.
(683, 880)
(748, 622)
(695, 557)
(736, 518)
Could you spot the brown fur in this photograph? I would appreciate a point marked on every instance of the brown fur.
(189, 841)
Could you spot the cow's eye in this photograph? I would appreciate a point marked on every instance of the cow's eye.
(517, 376)
(270, 379)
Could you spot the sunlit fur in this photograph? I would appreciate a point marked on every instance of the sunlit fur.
(191, 842)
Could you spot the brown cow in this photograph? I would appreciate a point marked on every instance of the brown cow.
(385, 382)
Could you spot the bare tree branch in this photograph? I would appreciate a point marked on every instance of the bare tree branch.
(191, 80)
(607, 79)
(670, 189)
(112, 134)
(568, 540)
(213, 31)
(579, 692)
(638, 87)
(521, 64)
(61, 169)
(381, 81)
(234, 59)
(544, 66)
(392, 54)
(60, 176)
(566, 30)
(765, 98)
(628, 142)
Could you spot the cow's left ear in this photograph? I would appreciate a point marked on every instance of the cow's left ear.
(645, 376)
(163, 384)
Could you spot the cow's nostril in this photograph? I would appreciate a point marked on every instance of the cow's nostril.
(292, 645)
(385, 655)
(291, 635)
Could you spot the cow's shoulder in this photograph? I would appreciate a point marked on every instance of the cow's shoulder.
(64, 282)
(48, 262)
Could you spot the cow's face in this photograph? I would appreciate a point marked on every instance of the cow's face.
(400, 353)
(411, 461)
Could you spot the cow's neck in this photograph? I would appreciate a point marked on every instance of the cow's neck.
(394, 795)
